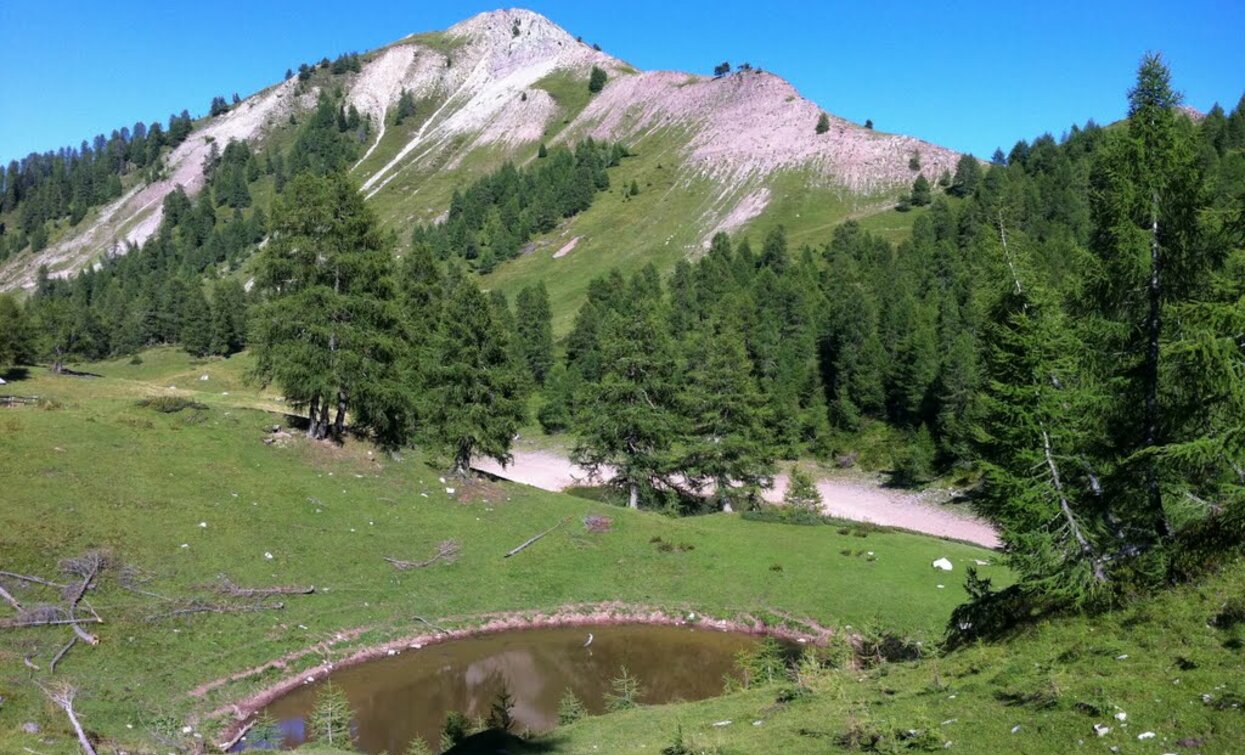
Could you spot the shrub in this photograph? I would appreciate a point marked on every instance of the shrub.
(823, 124)
(170, 404)
(624, 694)
(570, 708)
(596, 80)
(330, 719)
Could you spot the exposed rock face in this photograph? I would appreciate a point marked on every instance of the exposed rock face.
(481, 77)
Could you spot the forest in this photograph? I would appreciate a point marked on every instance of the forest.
(1064, 325)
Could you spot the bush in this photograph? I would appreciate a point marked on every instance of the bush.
(823, 124)
(170, 404)
(624, 694)
(596, 80)
(570, 708)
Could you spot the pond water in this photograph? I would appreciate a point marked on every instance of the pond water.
(397, 698)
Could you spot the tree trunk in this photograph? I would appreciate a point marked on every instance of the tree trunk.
(339, 422)
(1153, 331)
(462, 461)
(313, 418)
(633, 497)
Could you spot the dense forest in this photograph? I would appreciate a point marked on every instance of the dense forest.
(1065, 322)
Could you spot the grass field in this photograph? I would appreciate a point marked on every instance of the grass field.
(179, 499)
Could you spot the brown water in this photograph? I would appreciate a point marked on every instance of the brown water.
(397, 698)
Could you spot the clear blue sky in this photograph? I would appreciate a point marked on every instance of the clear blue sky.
(972, 75)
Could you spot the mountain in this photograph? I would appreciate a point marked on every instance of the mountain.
(725, 153)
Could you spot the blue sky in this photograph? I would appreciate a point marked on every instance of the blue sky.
(972, 75)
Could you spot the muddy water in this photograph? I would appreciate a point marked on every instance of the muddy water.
(397, 698)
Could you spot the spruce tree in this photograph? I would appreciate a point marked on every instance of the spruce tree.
(476, 397)
(596, 80)
(329, 722)
(823, 124)
(229, 318)
(802, 496)
(15, 333)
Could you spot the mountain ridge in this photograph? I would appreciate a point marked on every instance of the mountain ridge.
(486, 81)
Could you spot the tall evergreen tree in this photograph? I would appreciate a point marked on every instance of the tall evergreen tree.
(725, 416)
(476, 400)
(196, 323)
(534, 322)
(627, 420)
(327, 332)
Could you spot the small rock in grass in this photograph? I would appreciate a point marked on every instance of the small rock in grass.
(30, 727)
(1123, 657)
(942, 587)
(943, 564)
(185, 545)
(1121, 716)
(1101, 730)
(267, 555)
(449, 491)
(1146, 735)
(203, 525)
(722, 723)
(1015, 728)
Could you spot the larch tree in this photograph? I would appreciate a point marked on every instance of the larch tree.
(476, 397)
(1146, 192)
(327, 332)
(725, 418)
(626, 420)
(534, 324)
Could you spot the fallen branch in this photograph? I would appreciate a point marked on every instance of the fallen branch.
(229, 588)
(29, 663)
(446, 549)
(34, 580)
(437, 627)
(90, 564)
(57, 658)
(198, 607)
(10, 599)
(534, 538)
(19, 624)
(63, 698)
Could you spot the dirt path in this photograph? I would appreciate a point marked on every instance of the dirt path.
(860, 500)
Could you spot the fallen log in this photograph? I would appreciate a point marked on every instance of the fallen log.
(536, 537)
(90, 565)
(229, 588)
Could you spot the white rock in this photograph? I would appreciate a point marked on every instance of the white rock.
(1101, 730)
(1146, 735)
(722, 723)
(187, 729)
(943, 563)
(979, 562)
(1121, 716)
(1015, 728)
(267, 555)
(1123, 657)
(203, 525)
(449, 491)
(203, 378)
(942, 587)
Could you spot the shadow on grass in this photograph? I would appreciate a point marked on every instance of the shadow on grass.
(14, 374)
(496, 741)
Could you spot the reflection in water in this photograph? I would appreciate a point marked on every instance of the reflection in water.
(398, 698)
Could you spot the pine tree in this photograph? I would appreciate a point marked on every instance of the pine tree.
(534, 321)
(920, 191)
(196, 325)
(229, 318)
(725, 418)
(1148, 237)
(328, 333)
(626, 419)
(596, 80)
(967, 176)
(823, 124)
(329, 722)
(801, 496)
(15, 336)
(476, 398)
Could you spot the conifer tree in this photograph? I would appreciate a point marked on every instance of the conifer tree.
(229, 318)
(626, 420)
(329, 723)
(1148, 237)
(823, 124)
(476, 397)
(196, 323)
(328, 333)
(534, 323)
(801, 495)
(725, 417)
(596, 80)
(14, 333)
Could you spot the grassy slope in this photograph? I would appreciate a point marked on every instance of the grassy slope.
(99, 471)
